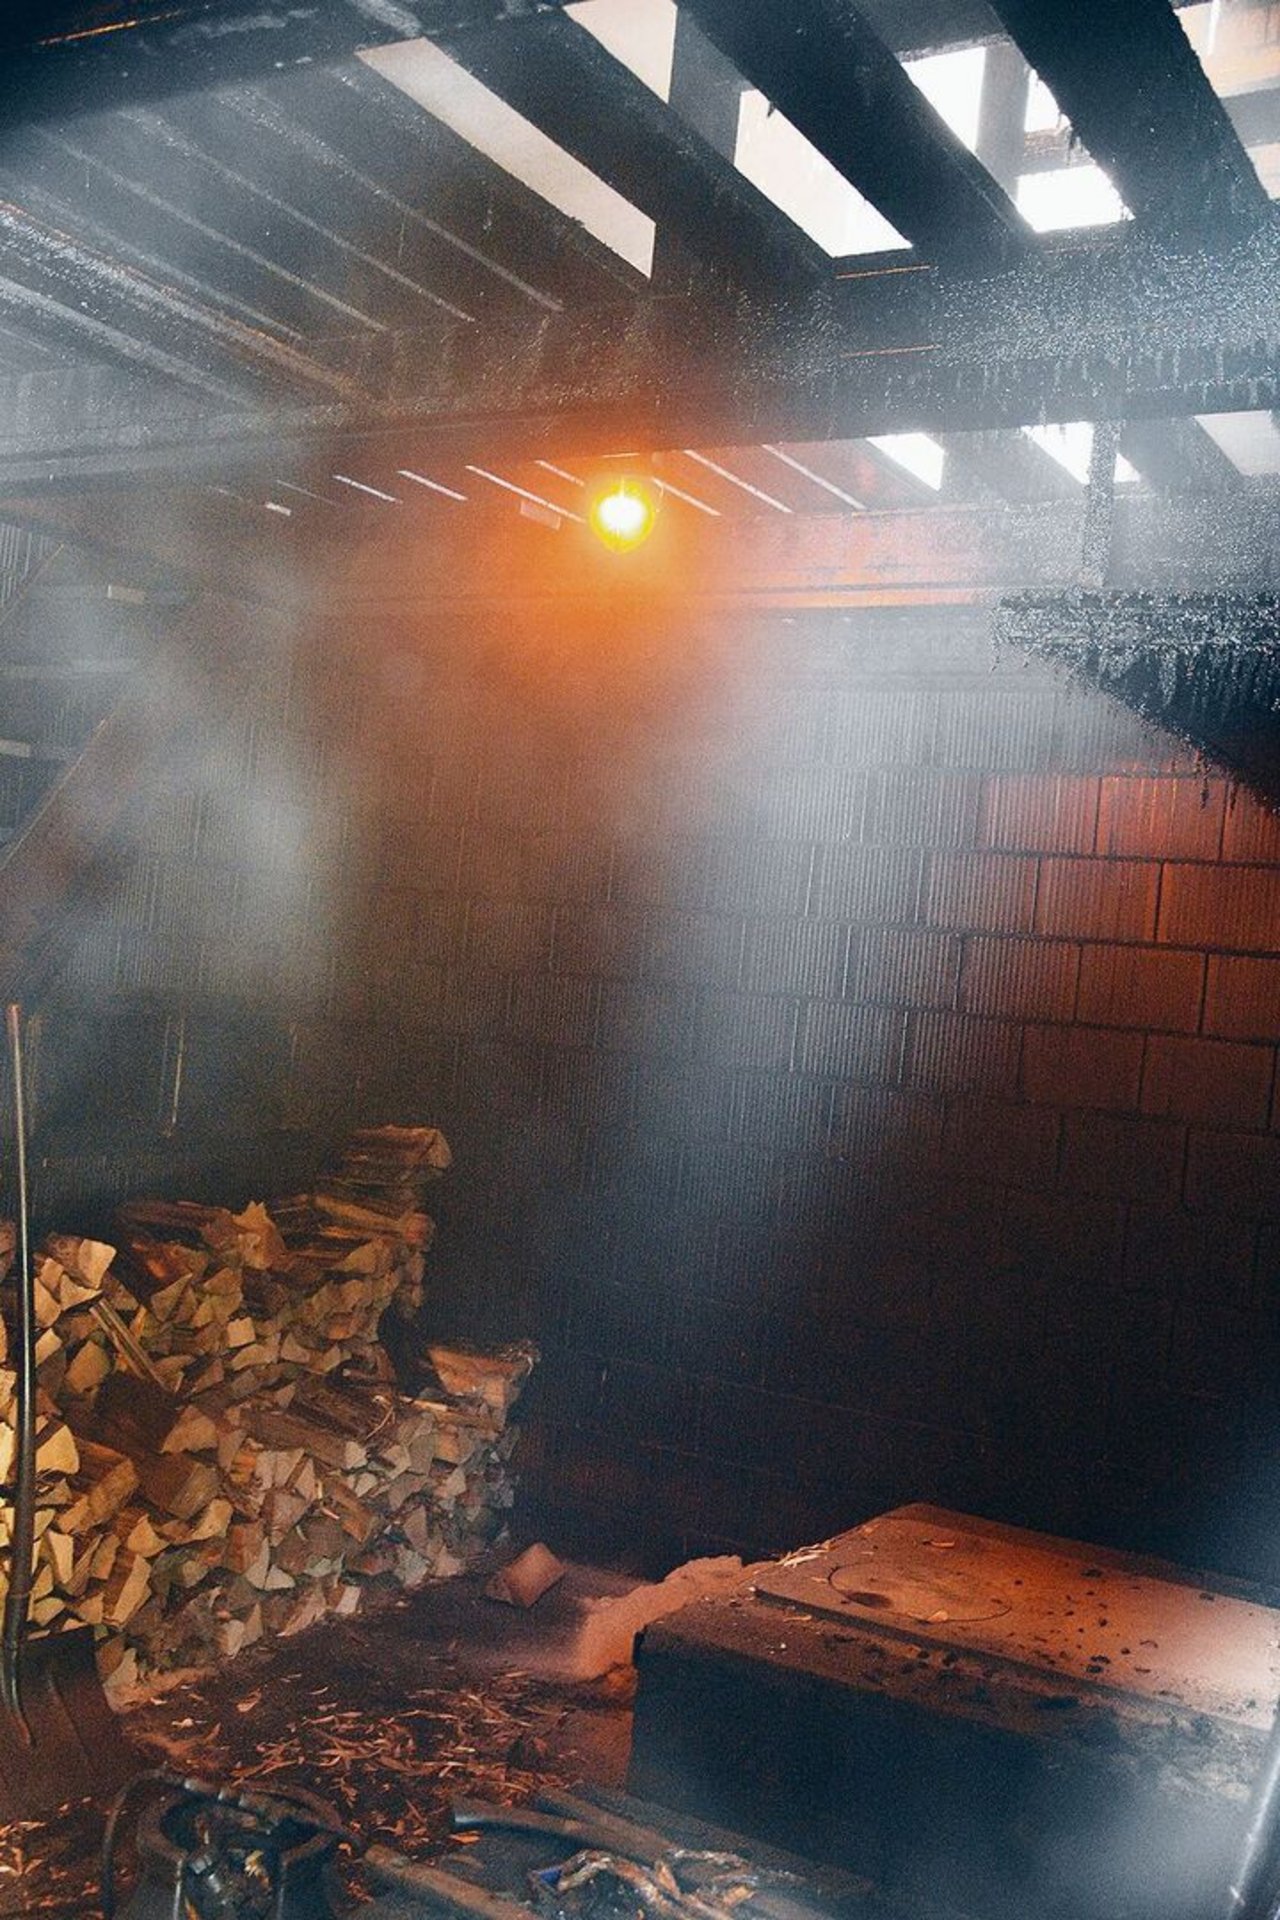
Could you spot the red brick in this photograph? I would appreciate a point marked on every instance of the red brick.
(1028, 979)
(1221, 906)
(1242, 998)
(1039, 813)
(1098, 899)
(1214, 1082)
(1236, 1172)
(1147, 987)
(1251, 830)
(1122, 1158)
(1162, 818)
(1081, 1067)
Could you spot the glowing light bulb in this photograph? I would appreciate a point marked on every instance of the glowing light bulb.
(623, 515)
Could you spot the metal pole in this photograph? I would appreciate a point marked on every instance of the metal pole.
(1253, 1892)
(22, 1542)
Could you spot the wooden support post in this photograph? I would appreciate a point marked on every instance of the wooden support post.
(1100, 505)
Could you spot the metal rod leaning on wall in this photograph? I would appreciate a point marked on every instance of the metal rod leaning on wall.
(22, 1544)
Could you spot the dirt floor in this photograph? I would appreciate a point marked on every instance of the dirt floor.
(388, 1717)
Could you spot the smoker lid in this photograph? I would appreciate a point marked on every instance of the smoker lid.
(1086, 1615)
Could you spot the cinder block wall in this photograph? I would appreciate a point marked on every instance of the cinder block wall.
(860, 1058)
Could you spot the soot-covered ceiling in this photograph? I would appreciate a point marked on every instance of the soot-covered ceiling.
(926, 297)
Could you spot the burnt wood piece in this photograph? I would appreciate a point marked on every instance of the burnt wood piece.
(67, 56)
(1127, 79)
(559, 77)
(821, 64)
(1124, 327)
(1203, 667)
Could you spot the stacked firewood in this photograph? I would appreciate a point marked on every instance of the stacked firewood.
(223, 1451)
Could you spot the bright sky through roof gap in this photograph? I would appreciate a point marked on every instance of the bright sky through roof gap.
(1071, 445)
(777, 158)
(1250, 440)
(639, 33)
(429, 77)
(1069, 197)
(916, 454)
(952, 84)
(1043, 115)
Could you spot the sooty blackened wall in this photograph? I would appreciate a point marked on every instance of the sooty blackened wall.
(859, 1057)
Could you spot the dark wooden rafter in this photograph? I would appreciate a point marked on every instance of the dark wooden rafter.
(492, 247)
(313, 219)
(1254, 115)
(1121, 327)
(76, 191)
(134, 243)
(937, 26)
(65, 56)
(481, 207)
(812, 60)
(51, 278)
(63, 291)
(562, 80)
(376, 261)
(1006, 83)
(820, 63)
(1136, 95)
(706, 87)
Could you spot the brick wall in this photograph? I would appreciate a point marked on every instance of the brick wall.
(860, 1059)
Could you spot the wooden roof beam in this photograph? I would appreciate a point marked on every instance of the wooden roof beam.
(559, 77)
(61, 57)
(1120, 327)
(63, 288)
(1135, 93)
(820, 63)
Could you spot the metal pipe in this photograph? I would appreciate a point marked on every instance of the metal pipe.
(22, 1542)
(1254, 1887)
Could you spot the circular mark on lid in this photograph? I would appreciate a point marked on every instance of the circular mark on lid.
(926, 1601)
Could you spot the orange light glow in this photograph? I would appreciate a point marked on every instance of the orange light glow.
(623, 515)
